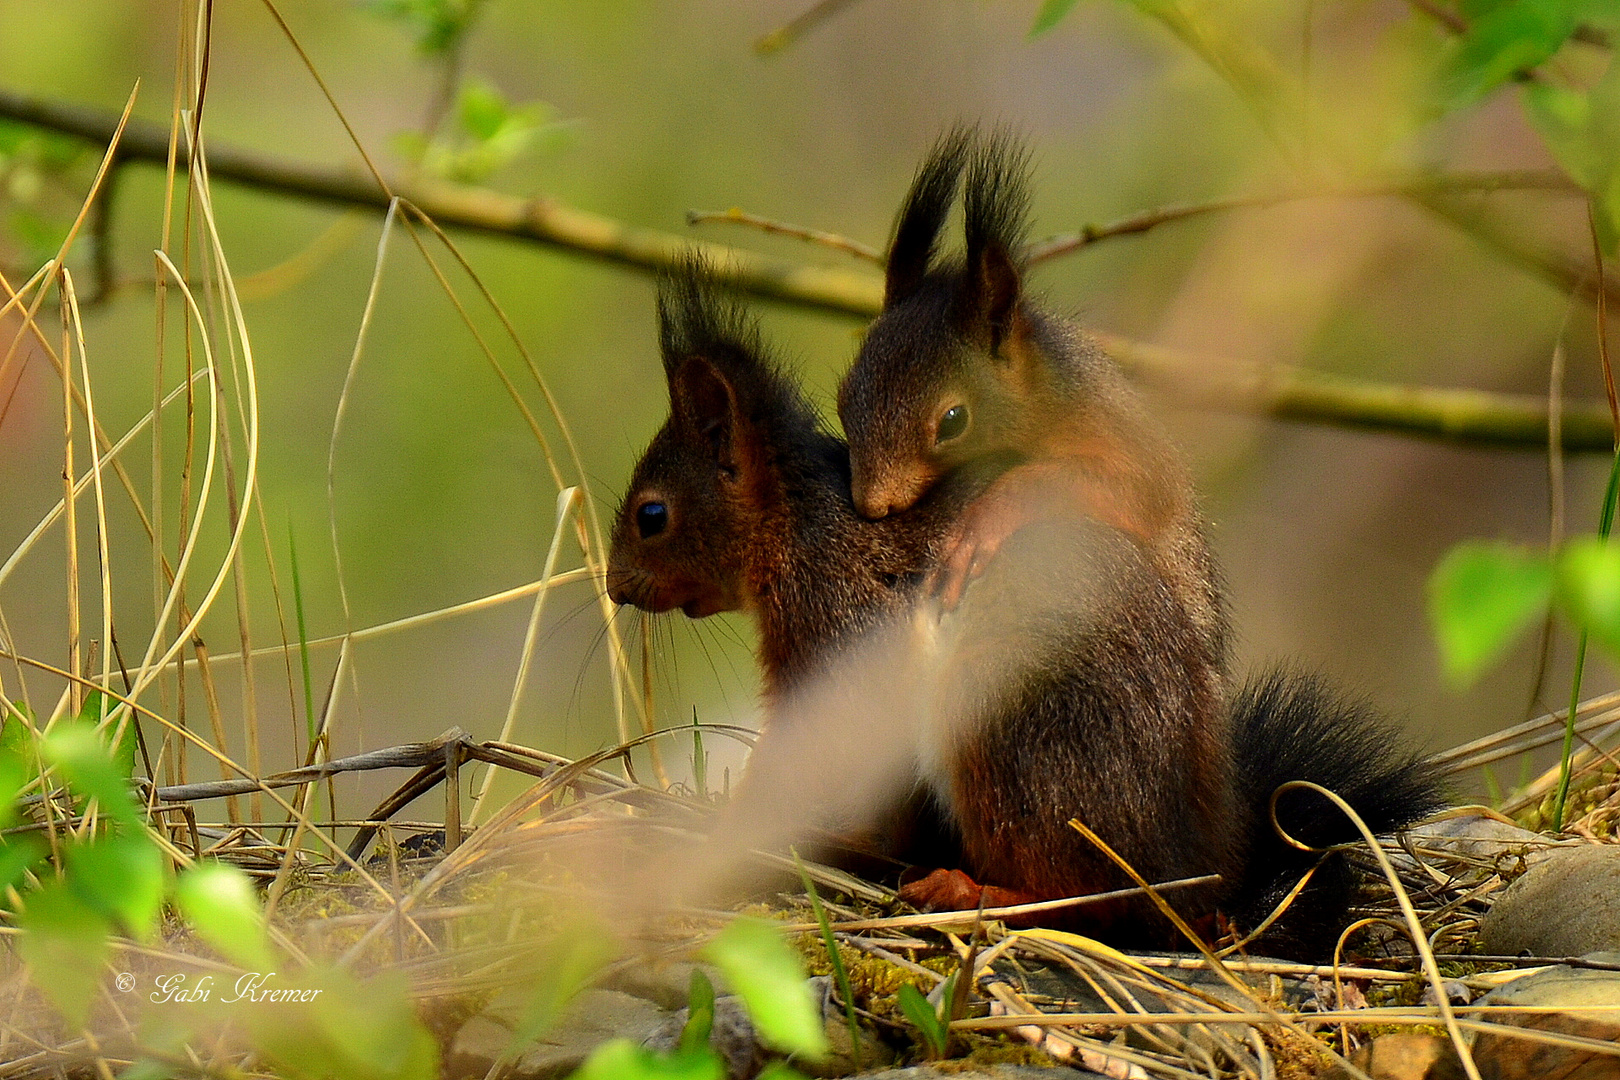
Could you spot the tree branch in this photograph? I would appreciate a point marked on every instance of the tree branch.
(542, 220)
(1285, 392)
(1421, 187)
(1461, 416)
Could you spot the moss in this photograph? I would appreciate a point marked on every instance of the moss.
(1587, 793)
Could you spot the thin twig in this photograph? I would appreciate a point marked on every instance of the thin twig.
(738, 216)
(1135, 224)
(783, 36)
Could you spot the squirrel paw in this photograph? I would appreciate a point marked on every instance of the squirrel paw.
(943, 890)
(954, 890)
(984, 527)
(1027, 493)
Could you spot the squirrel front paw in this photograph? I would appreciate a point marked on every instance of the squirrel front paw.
(984, 527)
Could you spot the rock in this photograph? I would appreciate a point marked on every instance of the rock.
(1480, 837)
(1563, 991)
(1568, 904)
(1408, 1056)
(1053, 981)
(1069, 992)
(1457, 993)
(666, 984)
(733, 1036)
(593, 1018)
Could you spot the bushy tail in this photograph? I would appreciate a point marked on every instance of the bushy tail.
(1288, 725)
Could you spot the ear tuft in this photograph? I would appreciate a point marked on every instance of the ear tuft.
(697, 318)
(724, 385)
(922, 216)
(995, 213)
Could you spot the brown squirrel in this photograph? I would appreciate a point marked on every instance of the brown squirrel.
(961, 365)
(742, 501)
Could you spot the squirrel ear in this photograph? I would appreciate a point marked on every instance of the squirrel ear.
(999, 286)
(707, 403)
(916, 231)
(995, 215)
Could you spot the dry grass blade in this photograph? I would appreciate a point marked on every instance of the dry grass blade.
(567, 499)
(1420, 941)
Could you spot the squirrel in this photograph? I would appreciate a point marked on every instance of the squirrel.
(742, 501)
(961, 365)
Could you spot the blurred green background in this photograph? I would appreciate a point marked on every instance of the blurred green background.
(441, 494)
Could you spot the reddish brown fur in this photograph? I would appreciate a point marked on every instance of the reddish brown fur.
(1115, 711)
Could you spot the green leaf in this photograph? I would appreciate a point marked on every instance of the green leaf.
(439, 25)
(481, 109)
(575, 956)
(1583, 132)
(831, 945)
(622, 1059)
(120, 876)
(700, 760)
(1511, 38)
(349, 1030)
(125, 749)
(1589, 588)
(16, 738)
(924, 1019)
(763, 970)
(1481, 597)
(1051, 13)
(147, 1069)
(220, 903)
(64, 941)
(14, 776)
(779, 1070)
(699, 1013)
(90, 770)
(19, 854)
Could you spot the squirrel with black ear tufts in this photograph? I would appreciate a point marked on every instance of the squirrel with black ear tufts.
(743, 501)
(962, 365)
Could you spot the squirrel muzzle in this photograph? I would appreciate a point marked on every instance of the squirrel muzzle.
(891, 491)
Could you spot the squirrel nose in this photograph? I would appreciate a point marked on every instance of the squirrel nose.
(870, 501)
(872, 510)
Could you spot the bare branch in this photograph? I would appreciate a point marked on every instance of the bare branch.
(542, 220)
(783, 36)
(782, 228)
(1418, 187)
(1284, 392)
(1461, 416)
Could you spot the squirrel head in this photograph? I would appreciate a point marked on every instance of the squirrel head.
(946, 372)
(705, 498)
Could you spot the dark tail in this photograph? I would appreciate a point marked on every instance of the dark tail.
(1287, 725)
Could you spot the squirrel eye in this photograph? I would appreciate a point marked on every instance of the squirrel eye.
(652, 518)
(952, 424)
